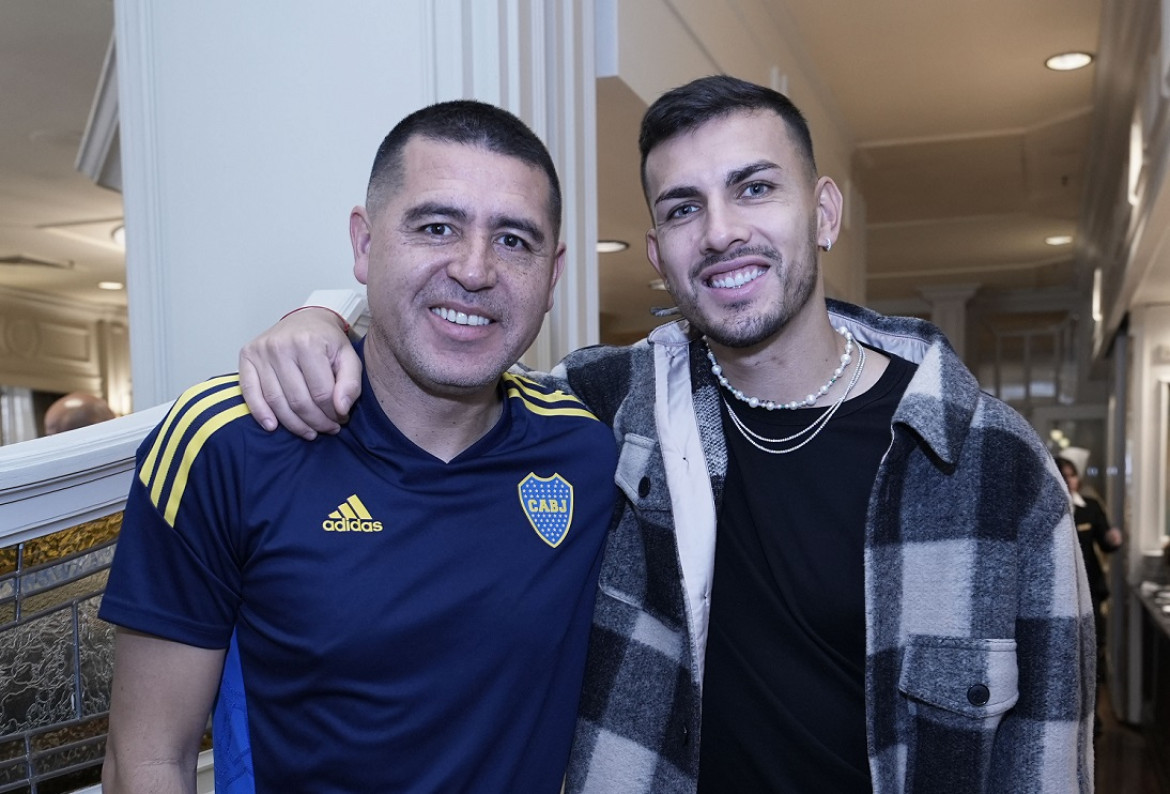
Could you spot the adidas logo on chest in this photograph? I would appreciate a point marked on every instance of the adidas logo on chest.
(351, 516)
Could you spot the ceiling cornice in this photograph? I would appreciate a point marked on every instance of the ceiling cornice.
(99, 157)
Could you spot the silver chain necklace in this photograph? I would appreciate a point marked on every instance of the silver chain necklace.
(818, 424)
(808, 402)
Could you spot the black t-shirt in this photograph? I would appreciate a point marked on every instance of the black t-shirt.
(783, 696)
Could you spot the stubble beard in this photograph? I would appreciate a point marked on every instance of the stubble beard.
(415, 363)
(744, 327)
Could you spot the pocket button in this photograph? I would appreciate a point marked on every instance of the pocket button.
(978, 695)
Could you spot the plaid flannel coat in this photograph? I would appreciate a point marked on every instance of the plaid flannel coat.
(979, 632)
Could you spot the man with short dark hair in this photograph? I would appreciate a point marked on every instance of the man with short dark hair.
(838, 565)
(405, 606)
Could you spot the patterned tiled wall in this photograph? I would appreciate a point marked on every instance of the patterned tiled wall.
(56, 658)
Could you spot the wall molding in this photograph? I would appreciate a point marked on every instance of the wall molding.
(53, 344)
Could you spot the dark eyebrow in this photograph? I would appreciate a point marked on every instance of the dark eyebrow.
(681, 192)
(520, 225)
(433, 209)
(430, 209)
(740, 174)
(733, 178)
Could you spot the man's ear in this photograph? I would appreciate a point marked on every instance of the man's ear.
(829, 205)
(360, 237)
(558, 268)
(652, 250)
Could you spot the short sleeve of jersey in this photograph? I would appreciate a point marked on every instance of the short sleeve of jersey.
(176, 571)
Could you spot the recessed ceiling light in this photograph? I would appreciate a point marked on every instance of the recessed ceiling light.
(1059, 239)
(611, 246)
(1068, 61)
(111, 285)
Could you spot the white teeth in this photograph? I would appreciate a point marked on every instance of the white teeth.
(738, 280)
(460, 318)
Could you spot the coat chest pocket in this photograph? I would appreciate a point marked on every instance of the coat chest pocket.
(968, 678)
(641, 475)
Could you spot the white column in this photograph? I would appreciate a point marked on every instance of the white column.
(248, 131)
(948, 310)
(536, 58)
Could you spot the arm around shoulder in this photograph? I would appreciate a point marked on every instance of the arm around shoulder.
(161, 697)
(303, 372)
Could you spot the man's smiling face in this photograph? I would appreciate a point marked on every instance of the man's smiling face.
(460, 263)
(736, 222)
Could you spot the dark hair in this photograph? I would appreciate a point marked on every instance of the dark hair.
(467, 122)
(1062, 462)
(690, 106)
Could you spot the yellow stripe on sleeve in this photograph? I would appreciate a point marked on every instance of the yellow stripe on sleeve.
(184, 424)
(530, 388)
(540, 410)
(192, 451)
(532, 394)
(178, 408)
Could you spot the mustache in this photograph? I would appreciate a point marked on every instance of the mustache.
(764, 251)
(472, 301)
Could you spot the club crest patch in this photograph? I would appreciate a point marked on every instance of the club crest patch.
(548, 503)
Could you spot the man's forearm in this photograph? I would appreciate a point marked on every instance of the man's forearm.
(123, 776)
(161, 695)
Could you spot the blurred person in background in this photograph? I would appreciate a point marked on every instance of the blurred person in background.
(74, 410)
(1093, 528)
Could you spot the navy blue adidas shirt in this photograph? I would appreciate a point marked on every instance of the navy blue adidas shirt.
(394, 623)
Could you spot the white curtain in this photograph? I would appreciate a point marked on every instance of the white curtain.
(17, 420)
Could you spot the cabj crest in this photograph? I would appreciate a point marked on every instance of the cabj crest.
(548, 503)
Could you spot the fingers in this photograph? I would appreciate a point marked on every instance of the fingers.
(287, 374)
(348, 370)
(254, 392)
(275, 391)
(302, 391)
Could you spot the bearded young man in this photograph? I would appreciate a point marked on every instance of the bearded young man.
(837, 562)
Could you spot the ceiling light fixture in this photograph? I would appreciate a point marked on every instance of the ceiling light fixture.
(111, 285)
(1059, 239)
(611, 246)
(1068, 61)
(118, 235)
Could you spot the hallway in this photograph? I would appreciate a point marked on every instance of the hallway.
(1124, 763)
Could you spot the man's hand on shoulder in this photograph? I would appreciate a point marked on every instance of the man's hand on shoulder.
(302, 372)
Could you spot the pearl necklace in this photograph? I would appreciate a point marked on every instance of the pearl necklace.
(818, 424)
(807, 402)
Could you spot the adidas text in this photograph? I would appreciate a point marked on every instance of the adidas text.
(350, 525)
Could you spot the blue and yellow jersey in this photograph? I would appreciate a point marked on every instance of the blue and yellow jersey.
(393, 622)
